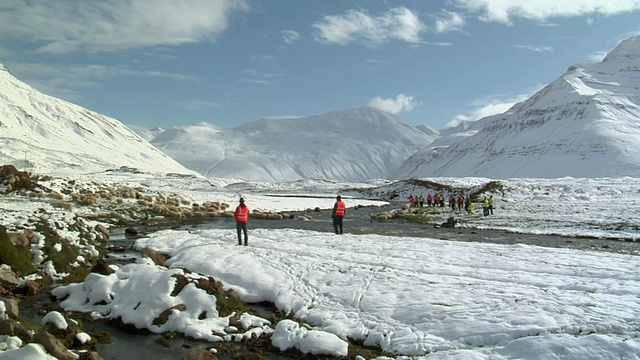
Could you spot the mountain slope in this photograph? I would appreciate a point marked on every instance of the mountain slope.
(347, 145)
(584, 124)
(50, 135)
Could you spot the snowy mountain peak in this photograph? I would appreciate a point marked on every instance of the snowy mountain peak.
(49, 135)
(627, 51)
(349, 145)
(584, 124)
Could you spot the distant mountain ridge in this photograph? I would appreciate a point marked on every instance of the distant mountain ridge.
(49, 135)
(584, 124)
(348, 145)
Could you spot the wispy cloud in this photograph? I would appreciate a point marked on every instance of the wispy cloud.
(198, 105)
(399, 24)
(256, 77)
(290, 36)
(540, 10)
(401, 103)
(67, 81)
(535, 48)
(489, 106)
(95, 25)
(448, 22)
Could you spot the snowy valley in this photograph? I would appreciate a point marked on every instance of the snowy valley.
(565, 163)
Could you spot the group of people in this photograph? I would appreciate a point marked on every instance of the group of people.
(458, 202)
(437, 200)
(488, 204)
(241, 216)
(431, 200)
(339, 211)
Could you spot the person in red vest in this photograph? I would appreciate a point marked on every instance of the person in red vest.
(242, 217)
(339, 211)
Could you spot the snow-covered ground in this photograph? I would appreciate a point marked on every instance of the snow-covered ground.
(416, 297)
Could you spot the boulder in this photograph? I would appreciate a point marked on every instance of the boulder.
(53, 346)
(8, 280)
(155, 256)
(11, 308)
(18, 239)
(199, 354)
(101, 267)
(11, 327)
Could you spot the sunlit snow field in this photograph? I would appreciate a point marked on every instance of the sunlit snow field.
(417, 297)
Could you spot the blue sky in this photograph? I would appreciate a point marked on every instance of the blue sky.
(169, 62)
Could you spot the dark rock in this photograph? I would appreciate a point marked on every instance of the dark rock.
(13, 328)
(101, 267)
(32, 287)
(90, 355)
(199, 354)
(155, 256)
(53, 346)
(164, 316)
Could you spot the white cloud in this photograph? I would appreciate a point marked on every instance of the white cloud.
(451, 21)
(290, 36)
(488, 107)
(535, 48)
(358, 26)
(95, 25)
(198, 105)
(402, 102)
(505, 11)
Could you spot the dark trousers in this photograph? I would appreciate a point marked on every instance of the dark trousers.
(337, 224)
(242, 228)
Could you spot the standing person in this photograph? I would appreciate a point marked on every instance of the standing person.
(410, 200)
(492, 204)
(429, 199)
(339, 211)
(242, 217)
(485, 206)
(421, 200)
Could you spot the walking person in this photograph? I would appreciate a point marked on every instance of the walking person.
(242, 217)
(339, 211)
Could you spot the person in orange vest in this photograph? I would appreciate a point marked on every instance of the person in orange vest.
(339, 211)
(242, 217)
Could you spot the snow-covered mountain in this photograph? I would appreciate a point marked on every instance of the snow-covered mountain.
(52, 136)
(584, 124)
(147, 134)
(348, 145)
